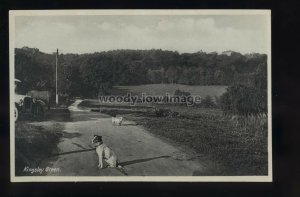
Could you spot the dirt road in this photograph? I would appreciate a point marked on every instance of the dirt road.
(139, 152)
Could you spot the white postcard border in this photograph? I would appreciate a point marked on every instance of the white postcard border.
(14, 178)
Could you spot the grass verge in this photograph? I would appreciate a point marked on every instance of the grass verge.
(240, 146)
(33, 144)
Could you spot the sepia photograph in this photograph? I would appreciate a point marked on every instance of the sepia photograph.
(140, 95)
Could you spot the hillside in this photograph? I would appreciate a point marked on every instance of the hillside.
(91, 74)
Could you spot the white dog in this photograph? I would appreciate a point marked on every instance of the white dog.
(117, 120)
(104, 152)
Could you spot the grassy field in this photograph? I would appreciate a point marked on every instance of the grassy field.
(162, 89)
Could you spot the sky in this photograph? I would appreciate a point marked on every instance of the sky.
(182, 33)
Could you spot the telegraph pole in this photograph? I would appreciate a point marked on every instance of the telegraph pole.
(56, 62)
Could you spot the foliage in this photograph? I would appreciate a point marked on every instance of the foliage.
(208, 102)
(249, 98)
(244, 100)
(34, 69)
(89, 75)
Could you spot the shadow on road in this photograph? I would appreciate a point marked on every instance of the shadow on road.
(70, 135)
(126, 163)
(58, 114)
(78, 145)
(129, 124)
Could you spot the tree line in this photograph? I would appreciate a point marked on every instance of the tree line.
(90, 74)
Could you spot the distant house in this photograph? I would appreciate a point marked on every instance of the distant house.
(32, 50)
(252, 55)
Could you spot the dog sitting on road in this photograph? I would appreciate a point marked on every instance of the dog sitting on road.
(104, 152)
(117, 120)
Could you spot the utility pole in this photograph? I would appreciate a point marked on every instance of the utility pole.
(56, 62)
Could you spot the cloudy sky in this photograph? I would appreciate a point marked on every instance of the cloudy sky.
(189, 33)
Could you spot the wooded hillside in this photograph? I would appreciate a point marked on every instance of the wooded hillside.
(90, 74)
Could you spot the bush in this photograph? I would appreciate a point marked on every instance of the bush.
(208, 102)
(243, 100)
(165, 113)
(180, 94)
